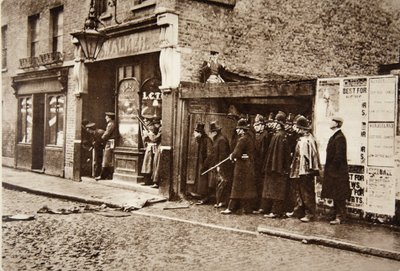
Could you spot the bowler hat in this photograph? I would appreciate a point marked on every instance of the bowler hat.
(214, 126)
(242, 124)
(302, 123)
(199, 127)
(280, 117)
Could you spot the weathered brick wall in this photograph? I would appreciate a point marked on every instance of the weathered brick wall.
(305, 38)
(16, 19)
(70, 128)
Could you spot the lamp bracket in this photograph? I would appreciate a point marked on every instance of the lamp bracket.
(113, 3)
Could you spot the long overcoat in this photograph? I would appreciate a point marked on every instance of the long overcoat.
(276, 167)
(261, 147)
(204, 145)
(244, 185)
(336, 184)
(108, 137)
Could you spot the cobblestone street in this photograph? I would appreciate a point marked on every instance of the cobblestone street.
(113, 240)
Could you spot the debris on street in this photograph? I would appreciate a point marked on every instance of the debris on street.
(17, 217)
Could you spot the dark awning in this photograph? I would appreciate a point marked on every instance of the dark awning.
(252, 89)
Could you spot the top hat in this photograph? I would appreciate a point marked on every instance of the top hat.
(242, 124)
(259, 119)
(280, 117)
(214, 127)
(90, 125)
(303, 123)
(199, 127)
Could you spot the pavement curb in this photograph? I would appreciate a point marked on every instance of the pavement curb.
(58, 196)
(310, 239)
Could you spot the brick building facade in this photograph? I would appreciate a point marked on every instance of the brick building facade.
(263, 42)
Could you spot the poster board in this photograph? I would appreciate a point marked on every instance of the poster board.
(368, 105)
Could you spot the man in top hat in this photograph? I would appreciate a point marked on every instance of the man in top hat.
(222, 178)
(305, 166)
(204, 144)
(108, 137)
(98, 145)
(336, 184)
(243, 187)
(276, 168)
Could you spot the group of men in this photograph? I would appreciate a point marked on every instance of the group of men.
(269, 161)
(102, 142)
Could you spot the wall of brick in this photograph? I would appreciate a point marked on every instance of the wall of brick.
(16, 19)
(306, 38)
(70, 128)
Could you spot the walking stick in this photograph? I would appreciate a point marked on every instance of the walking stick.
(217, 165)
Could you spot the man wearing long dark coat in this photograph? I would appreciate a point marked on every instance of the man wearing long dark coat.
(262, 139)
(223, 175)
(336, 183)
(98, 145)
(203, 152)
(243, 186)
(276, 167)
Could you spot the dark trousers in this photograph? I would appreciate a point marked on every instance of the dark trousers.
(272, 206)
(339, 208)
(235, 204)
(305, 200)
(222, 189)
(98, 160)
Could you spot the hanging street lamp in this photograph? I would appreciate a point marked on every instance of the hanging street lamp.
(90, 39)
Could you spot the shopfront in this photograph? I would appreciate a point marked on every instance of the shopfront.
(40, 138)
(125, 79)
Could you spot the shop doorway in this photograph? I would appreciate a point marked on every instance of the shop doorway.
(38, 131)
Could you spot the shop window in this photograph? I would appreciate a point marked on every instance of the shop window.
(25, 120)
(55, 120)
(57, 18)
(151, 98)
(33, 34)
(4, 47)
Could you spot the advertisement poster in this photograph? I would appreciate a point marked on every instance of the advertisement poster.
(326, 106)
(381, 144)
(381, 191)
(353, 108)
(397, 166)
(368, 108)
(382, 103)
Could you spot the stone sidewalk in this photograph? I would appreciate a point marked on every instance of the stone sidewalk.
(377, 240)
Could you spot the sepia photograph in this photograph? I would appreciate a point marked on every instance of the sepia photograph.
(200, 135)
